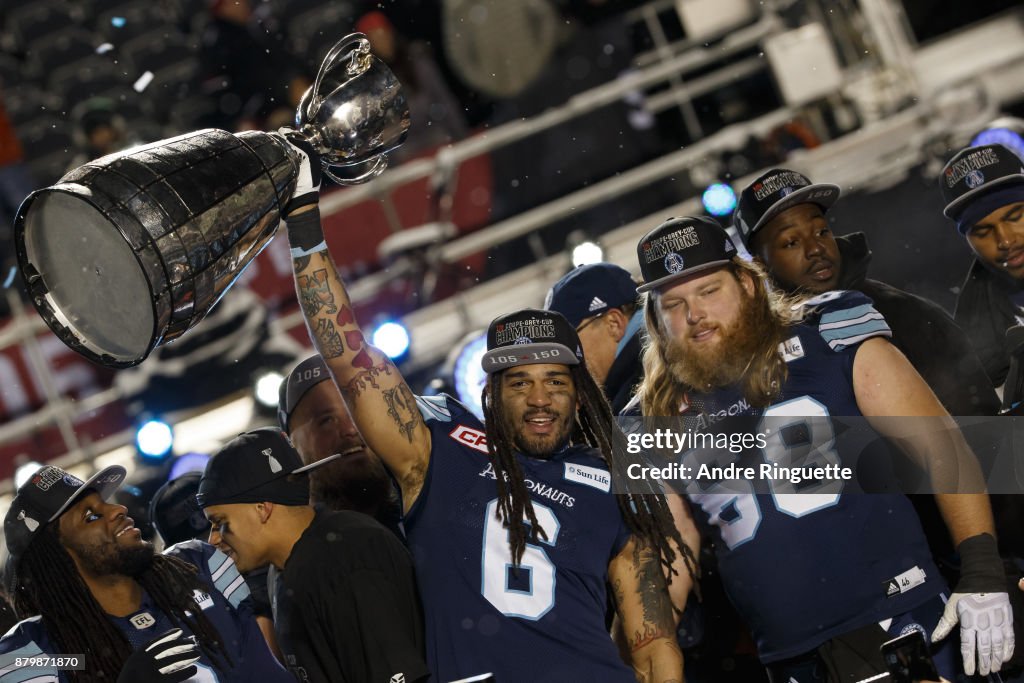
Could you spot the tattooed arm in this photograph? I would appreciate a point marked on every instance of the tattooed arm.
(682, 583)
(381, 403)
(645, 610)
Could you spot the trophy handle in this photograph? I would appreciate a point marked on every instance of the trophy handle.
(360, 62)
(379, 164)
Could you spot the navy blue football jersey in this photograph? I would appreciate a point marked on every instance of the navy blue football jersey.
(803, 564)
(545, 622)
(225, 605)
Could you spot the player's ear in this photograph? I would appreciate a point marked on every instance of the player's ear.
(617, 322)
(746, 280)
(264, 510)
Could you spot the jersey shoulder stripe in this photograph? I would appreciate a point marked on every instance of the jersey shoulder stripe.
(9, 671)
(434, 408)
(219, 568)
(848, 318)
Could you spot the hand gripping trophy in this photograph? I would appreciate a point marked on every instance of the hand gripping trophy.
(131, 250)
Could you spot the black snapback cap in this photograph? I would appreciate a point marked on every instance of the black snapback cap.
(528, 337)
(254, 467)
(975, 172)
(303, 377)
(46, 496)
(774, 192)
(681, 247)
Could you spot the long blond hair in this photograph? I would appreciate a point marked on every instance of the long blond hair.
(661, 394)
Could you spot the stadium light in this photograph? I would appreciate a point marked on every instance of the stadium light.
(154, 440)
(392, 338)
(586, 253)
(190, 462)
(1006, 137)
(468, 373)
(719, 199)
(267, 386)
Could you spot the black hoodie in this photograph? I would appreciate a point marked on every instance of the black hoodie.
(986, 310)
(934, 344)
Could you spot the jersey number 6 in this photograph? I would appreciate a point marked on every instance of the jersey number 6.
(536, 570)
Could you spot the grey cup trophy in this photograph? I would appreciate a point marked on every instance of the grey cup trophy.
(131, 250)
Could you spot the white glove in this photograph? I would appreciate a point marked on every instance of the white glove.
(986, 627)
(307, 186)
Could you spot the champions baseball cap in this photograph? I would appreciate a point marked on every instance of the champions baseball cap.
(681, 247)
(48, 495)
(591, 290)
(529, 337)
(975, 173)
(303, 377)
(774, 192)
(254, 467)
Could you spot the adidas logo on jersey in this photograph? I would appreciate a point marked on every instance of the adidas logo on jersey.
(596, 303)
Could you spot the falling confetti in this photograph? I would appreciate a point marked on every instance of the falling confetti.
(104, 48)
(10, 277)
(143, 82)
(118, 22)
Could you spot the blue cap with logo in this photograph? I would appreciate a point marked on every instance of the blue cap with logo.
(591, 290)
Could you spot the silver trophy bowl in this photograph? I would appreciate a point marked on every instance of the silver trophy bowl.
(355, 112)
(132, 250)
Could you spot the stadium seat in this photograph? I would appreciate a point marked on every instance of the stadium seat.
(64, 47)
(33, 23)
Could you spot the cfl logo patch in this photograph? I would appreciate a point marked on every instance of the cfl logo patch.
(468, 436)
(143, 620)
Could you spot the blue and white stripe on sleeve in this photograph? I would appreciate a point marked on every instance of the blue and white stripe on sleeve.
(846, 327)
(227, 579)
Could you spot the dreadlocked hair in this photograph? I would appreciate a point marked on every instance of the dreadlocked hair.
(661, 394)
(47, 583)
(646, 514)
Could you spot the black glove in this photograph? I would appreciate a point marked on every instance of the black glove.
(307, 187)
(170, 658)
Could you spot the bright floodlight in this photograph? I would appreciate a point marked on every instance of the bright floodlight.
(154, 439)
(719, 199)
(392, 338)
(469, 375)
(586, 253)
(267, 387)
(1001, 136)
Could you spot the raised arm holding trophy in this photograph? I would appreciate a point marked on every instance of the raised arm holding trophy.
(131, 250)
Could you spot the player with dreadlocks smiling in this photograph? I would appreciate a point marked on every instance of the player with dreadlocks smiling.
(515, 534)
(86, 584)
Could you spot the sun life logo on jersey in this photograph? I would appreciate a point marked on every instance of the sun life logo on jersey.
(791, 349)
